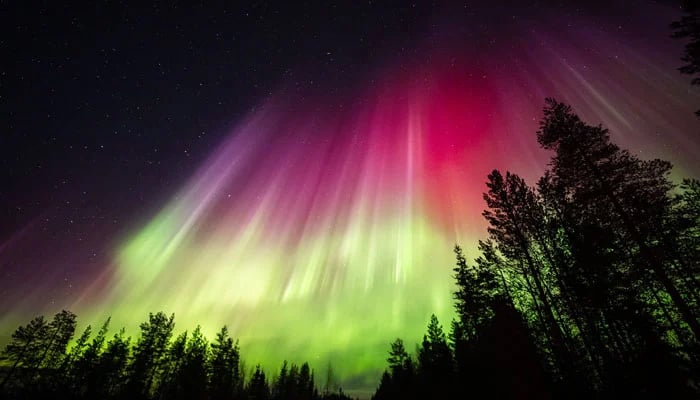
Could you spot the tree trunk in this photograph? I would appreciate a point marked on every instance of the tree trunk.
(653, 261)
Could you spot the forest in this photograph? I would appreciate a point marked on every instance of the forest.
(587, 285)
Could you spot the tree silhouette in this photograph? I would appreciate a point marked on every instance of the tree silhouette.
(258, 388)
(435, 361)
(111, 370)
(225, 382)
(192, 372)
(400, 362)
(60, 331)
(24, 349)
(510, 205)
(399, 382)
(149, 354)
(73, 374)
(83, 365)
(614, 191)
(476, 286)
(688, 27)
(170, 384)
(188, 367)
(586, 287)
(509, 366)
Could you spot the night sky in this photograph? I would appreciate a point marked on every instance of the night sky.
(299, 172)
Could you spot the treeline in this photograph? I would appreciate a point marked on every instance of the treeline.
(42, 365)
(588, 285)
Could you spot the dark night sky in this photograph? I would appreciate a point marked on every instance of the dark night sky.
(113, 104)
(105, 106)
(108, 109)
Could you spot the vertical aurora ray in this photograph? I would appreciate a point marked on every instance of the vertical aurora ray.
(322, 229)
(316, 245)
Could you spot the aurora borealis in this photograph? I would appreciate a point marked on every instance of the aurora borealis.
(319, 226)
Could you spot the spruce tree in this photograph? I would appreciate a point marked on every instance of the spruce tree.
(224, 367)
(258, 388)
(193, 371)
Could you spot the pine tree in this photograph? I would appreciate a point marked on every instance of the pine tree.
(111, 370)
(85, 365)
(225, 378)
(600, 181)
(258, 388)
(70, 367)
(61, 331)
(305, 383)
(688, 27)
(54, 342)
(399, 360)
(684, 233)
(280, 386)
(476, 288)
(24, 348)
(149, 354)
(193, 372)
(435, 362)
(510, 206)
(386, 389)
(170, 384)
(399, 382)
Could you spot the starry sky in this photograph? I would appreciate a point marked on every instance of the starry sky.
(299, 172)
